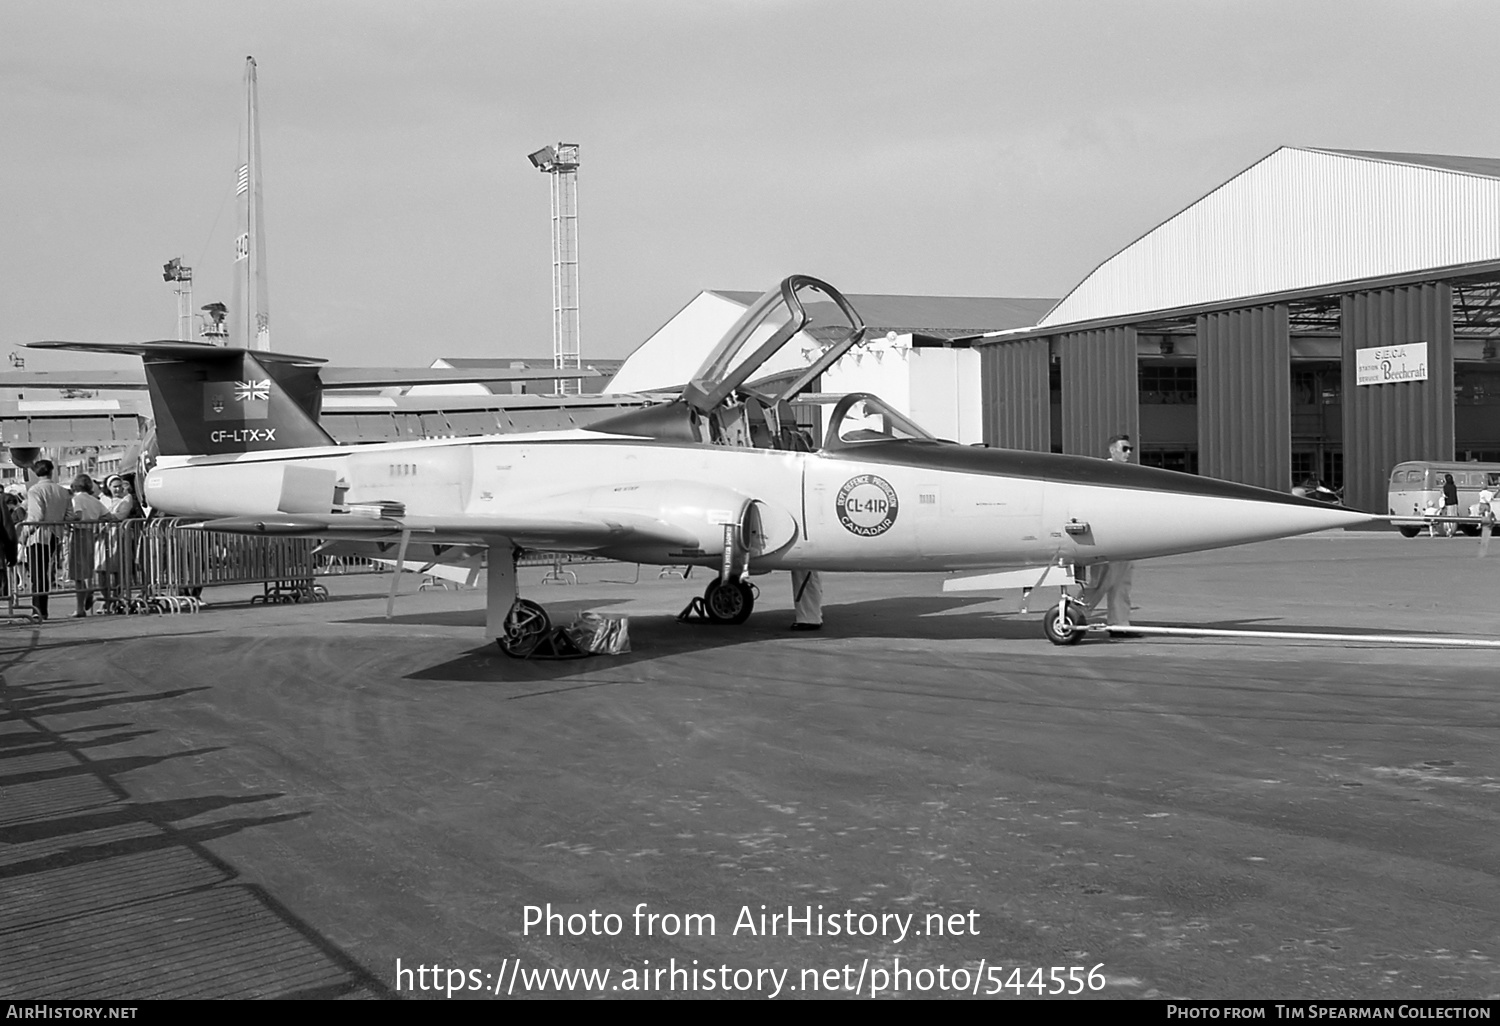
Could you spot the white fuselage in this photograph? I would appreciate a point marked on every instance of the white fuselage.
(820, 510)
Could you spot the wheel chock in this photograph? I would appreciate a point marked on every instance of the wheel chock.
(695, 612)
(554, 643)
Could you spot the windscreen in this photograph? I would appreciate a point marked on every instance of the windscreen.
(864, 418)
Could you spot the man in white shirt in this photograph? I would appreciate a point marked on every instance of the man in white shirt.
(47, 506)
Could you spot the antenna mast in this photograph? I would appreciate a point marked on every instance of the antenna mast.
(249, 308)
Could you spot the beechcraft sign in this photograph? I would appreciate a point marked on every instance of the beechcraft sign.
(1385, 365)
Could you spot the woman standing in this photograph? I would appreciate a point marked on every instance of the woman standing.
(1450, 504)
(117, 545)
(86, 516)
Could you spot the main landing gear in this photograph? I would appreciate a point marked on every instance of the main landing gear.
(529, 634)
(520, 626)
(729, 598)
(723, 601)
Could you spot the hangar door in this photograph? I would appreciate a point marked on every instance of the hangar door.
(1016, 400)
(1100, 389)
(1245, 396)
(1387, 423)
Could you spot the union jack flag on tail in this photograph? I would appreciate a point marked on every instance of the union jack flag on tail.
(248, 391)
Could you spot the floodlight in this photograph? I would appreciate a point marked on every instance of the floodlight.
(543, 159)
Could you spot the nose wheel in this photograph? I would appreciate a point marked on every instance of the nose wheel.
(1065, 623)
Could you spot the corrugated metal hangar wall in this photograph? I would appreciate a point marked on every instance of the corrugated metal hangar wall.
(1016, 399)
(1244, 391)
(1406, 420)
(1100, 394)
(1245, 396)
(1100, 397)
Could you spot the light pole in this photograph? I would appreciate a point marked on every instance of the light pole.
(175, 271)
(561, 162)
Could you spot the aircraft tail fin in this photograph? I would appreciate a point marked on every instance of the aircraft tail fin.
(209, 400)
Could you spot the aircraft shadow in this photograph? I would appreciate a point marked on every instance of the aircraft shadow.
(933, 619)
(655, 636)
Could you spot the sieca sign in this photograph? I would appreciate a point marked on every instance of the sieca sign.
(1385, 365)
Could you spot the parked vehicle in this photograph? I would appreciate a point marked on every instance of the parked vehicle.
(1416, 491)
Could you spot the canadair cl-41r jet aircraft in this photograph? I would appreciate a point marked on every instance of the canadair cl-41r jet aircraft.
(717, 477)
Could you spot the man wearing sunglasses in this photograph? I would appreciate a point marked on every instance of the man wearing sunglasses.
(1110, 582)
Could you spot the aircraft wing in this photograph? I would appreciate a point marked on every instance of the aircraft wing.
(570, 531)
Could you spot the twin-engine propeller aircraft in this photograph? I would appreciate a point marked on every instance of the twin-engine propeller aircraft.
(718, 477)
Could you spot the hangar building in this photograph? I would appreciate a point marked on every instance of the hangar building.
(1323, 313)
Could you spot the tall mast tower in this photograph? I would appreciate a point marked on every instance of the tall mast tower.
(249, 308)
(175, 270)
(561, 162)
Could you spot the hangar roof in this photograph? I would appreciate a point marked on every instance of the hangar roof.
(1486, 166)
(1302, 219)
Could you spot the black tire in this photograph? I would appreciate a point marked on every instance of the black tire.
(728, 601)
(1064, 629)
(1409, 532)
(525, 625)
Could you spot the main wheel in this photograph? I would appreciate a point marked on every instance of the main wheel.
(1409, 532)
(728, 601)
(1063, 626)
(525, 625)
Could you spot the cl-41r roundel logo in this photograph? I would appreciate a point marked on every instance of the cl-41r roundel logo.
(867, 505)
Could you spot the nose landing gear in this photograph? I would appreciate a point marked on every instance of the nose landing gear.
(1065, 623)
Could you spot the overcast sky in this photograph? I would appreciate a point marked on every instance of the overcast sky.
(938, 148)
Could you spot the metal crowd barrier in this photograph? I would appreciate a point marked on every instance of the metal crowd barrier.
(145, 566)
(159, 566)
(81, 559)
(180, 563)
(535, 557)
